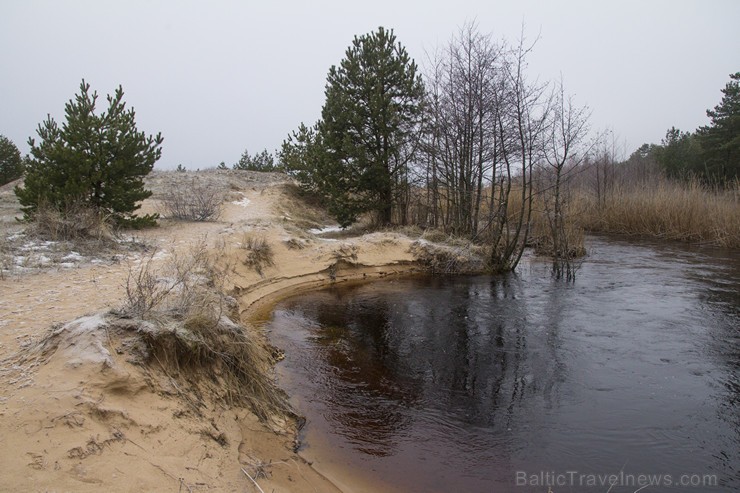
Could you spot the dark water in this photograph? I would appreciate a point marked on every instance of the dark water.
(520, 382)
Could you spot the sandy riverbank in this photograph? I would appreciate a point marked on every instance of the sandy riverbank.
(83, 415)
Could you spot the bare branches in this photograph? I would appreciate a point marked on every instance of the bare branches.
(460, 127)
(564, 144)
(491, 136)
(198, 202)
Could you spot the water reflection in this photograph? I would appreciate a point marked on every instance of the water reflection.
(369, 389)
(459, 382)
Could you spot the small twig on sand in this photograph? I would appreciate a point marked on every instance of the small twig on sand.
(183, 483)
(252, 480)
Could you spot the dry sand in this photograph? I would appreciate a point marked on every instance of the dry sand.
(84, 417)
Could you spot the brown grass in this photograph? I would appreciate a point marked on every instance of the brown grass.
(6, 256)
(259, 253)
(345, 252)
(74, 223)
(295, 243)
(301, 209)
(445, 259)
(187, 327)
(667, 210)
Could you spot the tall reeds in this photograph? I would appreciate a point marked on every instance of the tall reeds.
(689, 212)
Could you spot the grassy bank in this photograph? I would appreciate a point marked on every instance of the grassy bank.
(666, 210)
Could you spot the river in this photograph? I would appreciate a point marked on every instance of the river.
(521, 382)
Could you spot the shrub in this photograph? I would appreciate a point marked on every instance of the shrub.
(174, 288)
(198, 201)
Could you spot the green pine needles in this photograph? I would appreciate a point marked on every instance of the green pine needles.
(356, 158)
(11, 163)
(93, 160)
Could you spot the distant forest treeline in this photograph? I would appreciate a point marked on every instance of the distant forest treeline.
(711, 153)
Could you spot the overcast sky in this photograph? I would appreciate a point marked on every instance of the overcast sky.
(216, 77)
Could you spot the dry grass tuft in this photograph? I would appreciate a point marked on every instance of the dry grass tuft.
(260, 253)
(443, 259)
(296, 244)
(434, 235)
(186, 325)
(74, 223)
(412, 231)
(228, 358)
(64, 238)
(346, 252)
(6, 256)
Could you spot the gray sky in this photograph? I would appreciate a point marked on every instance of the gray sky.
(216, 77)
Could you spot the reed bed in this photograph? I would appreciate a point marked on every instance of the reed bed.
(688, 212)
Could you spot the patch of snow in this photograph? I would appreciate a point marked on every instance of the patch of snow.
(85, 341)
(244, 202)
(34, 246)
(327, 229)
(73, 257)
(381, 236)
(159, 255)
(67, 265)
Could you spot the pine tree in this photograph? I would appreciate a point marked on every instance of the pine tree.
(98, 161)
(678, 154)
(361, 147)
(263, 161)
(720, 141)
(372, 109)
(11, 164)
(306, 157)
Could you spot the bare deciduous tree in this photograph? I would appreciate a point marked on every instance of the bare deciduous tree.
(460, 128)
(488, 130)
(521, 113)
(564, 149)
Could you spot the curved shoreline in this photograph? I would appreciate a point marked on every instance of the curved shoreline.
(256, 303)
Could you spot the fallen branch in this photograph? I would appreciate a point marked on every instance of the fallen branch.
(252, 480)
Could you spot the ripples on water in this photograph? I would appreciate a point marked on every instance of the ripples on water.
(456, 383)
